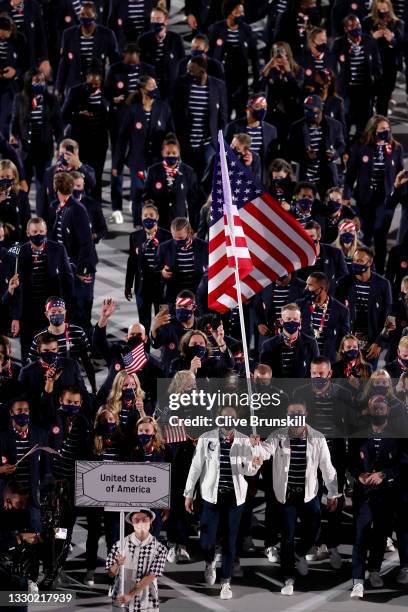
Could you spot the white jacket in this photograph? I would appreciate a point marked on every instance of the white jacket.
(317, 456)
(205, 466)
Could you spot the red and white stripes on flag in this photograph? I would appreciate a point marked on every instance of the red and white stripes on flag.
(135, 359)
(269, 242)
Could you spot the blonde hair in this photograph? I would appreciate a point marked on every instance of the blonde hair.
(373, 377)
(114, 402)
(158, 442)
(291, 307)
(374, 10)
(99, 446)
(403, 343)
(181, 380)
(6, 164)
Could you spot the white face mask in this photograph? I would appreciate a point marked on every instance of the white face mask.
(141, 529)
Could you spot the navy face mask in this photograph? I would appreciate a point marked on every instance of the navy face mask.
(350, 355)
(6, 183)
(356, 32)
(38, 88)
(309, 295)
(181, 243)
(259, 114)
(57, 319)
(149, 223)
(333, 206)
(87, 21)
(128, 394)
(346, 238)
(144, 438)
(38, 239)
(291, 326)
(77, 193)
(106, 428)
(380, 389)
(197, 53)
(322, 48)
(383, 135)
(171, 160)
(183, 314)
(378, 419)
(21, 419)
(239, 19)
(305, 204)
(156, 27)
(319, 383)
(358, 268)
(154, 93)
(311, 116)
(193, 78)
(198, 351)
(49, 357)
(70, 409)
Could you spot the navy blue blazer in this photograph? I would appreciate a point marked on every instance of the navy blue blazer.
(136, 137)
(77, 100)
(269, 136)
(218, 34)
(263, 301)
(337, 326)
(379, 302)
(58, 432)
(360, 168)
(33, 30)
(16, 56)
(308, 64)
(167, 256)
(70, 71)
(217, 108)
(173, 52)
(179, 201)
(342, 52)
(306, 349)
(214, 67)
(332, 264)
(76, 235)
(120, 23)
(135, 276)
(48, 194)
(299, 142)
(117, 81)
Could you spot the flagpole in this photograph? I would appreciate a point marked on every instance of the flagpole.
(228, 201)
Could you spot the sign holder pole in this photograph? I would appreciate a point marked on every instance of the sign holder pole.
(122, 550)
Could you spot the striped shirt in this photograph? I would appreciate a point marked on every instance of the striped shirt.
(36, 120)
(316, 321)
(58, 224)
(358, 73)
(23, 471)
(39, 275)
(64, 462)
(256, 136)
(323, 411)
(316, 142)
(288, 359)
(149, 251)
(377, 446)
(4, 46)
(87, 49)
(198, 106)
(111, 452)
(95, 123)
(299, 216)
(17, 15)
(318, 62)
(233, 37)
(185, 267)
(158, 60)
(136, 14)
(281, 6)
(74, 336)
(76, 5)
(297, 465)
(399, 8)
(362, 294)
(225, 481)
(377, 179)
(125, 413)
(279, 299)
(133, 76)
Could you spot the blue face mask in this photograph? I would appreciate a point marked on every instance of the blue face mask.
(309, 295)
(322, 48)
(351, 354)
(149, 223)
(70, 409)
(144, 438)
(380, 389)
(128, 394)
(156, 27)
(183, 314)
(21, 419)
(62, 161)
(305, 204)
(239, 19)
(108, 428)
(258, 114)
(319, 383)
(356, 32)
(333, 206)
(38, 88)
(346, 238)
(87, 21)
(77, 193)
(154, 93)
(193, 78)
(291, 326)
(181, 243)
(171, 160)
(358, 268)
(311, 116)
(199, 351)
(383, 135)
(49, 357)
(197, 53)
(57, 319)
(38, 239)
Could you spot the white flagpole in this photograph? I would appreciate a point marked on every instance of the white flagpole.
(228, 204)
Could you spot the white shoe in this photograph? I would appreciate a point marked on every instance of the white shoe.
(312, 554)
(301, 566)
(172, 555)
(272, 553)
(375, 580)
(226, 592)
(248, 544)
(32, 587)
(110, 592)
(182, 554)
(288, 588)
(322, 552)
(218, 554)
(390, 545)
(89, 578)
(210, 573)
(116, 217)
(334, 558)
(357, 591)
(402, 576)
(237, 571)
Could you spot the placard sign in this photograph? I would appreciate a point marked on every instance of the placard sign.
(122, 485)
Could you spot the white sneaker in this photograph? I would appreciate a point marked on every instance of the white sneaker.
(210, 573)
(182, 554)
(334, 558)
(390, 545)
(248, 544)
(301, 566)
(272, 553)
(288, 588)
(402, 576)
(375, 580)
(32, 587)
(89, 578)
(172, 555)
(357, 591)
(322, 552)
(226, 592)
(116, 217)
(312, 554)
(237, 571)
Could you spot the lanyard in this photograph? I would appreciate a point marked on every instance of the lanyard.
(318, 332)
(67, 341)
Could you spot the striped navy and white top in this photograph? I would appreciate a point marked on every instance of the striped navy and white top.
(158, 60)
(279, 299)
(357, 65)
(23, 472)
(303, 219)
(148, 115)
(225, 481)
(17, 15)
(149, 251)
(281, 6)
(111, 452)
(362, 295)
(76, 5)
(39, 275)
(125, 413)
(78, 343)
(133, 76)
(318, 62)
(58, 224)
(95, 122)
(198, 106)
(64, 462)
(288, 358)
(377, 446)
(399, 8)
(377, 179)
(87, 49)
(136, 10)
(233, 37)
(316, 320)
(4, 45)
(316, 142)
(323, 414)
(185, 267)
(36, 120)
(297, 465)
(257, 140)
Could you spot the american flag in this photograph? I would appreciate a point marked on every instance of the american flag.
(269, 242)
(135, 359)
